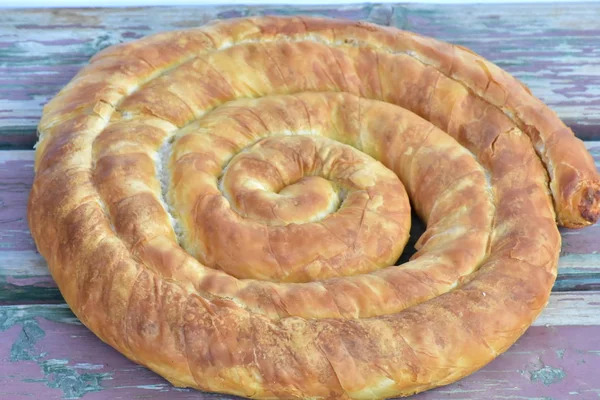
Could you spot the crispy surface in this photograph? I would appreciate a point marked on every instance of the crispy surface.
(224, 205)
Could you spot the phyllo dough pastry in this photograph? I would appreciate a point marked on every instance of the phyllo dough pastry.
(225, 205)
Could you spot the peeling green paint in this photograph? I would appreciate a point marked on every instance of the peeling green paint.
(58, 374)
(18, 315)
(102, 42)
(548, 375)
(560, 353)
(24, 348)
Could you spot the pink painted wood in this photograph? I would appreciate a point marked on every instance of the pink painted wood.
(46, 352)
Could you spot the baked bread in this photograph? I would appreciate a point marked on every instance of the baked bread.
(224, 205)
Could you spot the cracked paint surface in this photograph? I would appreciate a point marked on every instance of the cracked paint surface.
(548, 375)
(45, 353)
(57, 373)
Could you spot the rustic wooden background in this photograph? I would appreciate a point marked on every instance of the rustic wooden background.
(46, 353)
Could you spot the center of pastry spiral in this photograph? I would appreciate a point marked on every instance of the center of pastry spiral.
(292, 208)
(283, 180)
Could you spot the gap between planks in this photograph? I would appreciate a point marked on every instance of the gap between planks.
(31, 264)
(563, 309)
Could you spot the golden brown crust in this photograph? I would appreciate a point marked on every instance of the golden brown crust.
(210, 204)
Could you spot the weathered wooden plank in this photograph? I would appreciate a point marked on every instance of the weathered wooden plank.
(551, 47)
(571, 308)
(45, 350)
(41, 50)
(16, 178)
(24, 276)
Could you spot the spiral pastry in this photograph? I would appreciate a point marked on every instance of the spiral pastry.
(225, 205)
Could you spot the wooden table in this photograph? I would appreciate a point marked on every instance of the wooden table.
(46, 353)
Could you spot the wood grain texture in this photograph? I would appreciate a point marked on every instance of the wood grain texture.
(45, 350)
(552, 48)
(24, 276)
(41, 50)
